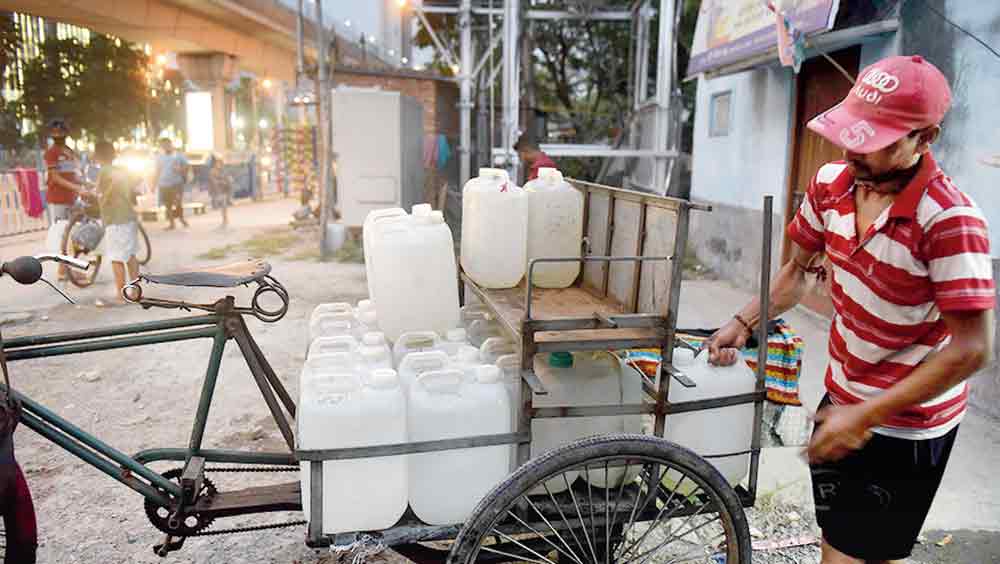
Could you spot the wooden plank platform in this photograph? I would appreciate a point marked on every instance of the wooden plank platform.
(565, 303)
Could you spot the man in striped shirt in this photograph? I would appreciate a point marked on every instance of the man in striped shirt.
(913, 296)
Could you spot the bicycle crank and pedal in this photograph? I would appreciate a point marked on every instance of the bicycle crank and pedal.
(202, 503)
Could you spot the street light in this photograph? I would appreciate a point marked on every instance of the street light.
(266, 83)
(263, 124)
(347, 23)
(161, 59)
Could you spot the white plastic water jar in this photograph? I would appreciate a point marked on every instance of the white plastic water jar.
(454, 339)
(414, 341)
(494, 229)
(416, 276)
(368, 229)
(446, 486)
(340, 343)
(343, 412)
(555, 228)
(715, 431)
(495, 347)
(582, 379)
(415, 364)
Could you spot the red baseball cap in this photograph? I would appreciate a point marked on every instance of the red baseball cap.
(890, 99)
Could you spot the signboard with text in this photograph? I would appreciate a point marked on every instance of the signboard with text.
(729, 31)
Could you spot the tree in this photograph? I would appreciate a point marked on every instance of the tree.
(10, 42)
(100, 87)
(582, 73)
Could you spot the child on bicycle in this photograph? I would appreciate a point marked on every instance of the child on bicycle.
(121, 232)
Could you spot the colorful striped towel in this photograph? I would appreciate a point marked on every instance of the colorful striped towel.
(784, 360)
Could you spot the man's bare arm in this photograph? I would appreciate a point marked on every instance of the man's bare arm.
(970, 348)
(787, 289)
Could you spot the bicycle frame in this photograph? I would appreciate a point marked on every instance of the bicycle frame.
(221, 326)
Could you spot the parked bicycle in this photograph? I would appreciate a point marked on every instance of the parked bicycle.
(82, 240)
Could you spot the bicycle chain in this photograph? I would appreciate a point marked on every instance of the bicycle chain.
(207, 532)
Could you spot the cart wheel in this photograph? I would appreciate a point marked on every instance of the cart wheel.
(663, 503)
(144, 252)
(80, 279)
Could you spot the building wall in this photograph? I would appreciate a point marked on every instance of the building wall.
(734, 172)
(971, 130)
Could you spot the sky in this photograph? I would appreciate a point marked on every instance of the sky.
(354, 17)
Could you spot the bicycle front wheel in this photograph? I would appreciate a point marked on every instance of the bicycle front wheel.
(630, 499)
(80, 279)
(144, 252)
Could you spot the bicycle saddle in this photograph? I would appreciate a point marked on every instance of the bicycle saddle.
(228, 276)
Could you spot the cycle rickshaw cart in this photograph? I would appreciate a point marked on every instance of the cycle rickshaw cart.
(626, 297)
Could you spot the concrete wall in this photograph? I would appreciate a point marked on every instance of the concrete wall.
(971, 130)
(735, 171)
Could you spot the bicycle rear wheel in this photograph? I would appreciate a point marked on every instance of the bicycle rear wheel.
(80, 279)
(659, 503)
(144, 252)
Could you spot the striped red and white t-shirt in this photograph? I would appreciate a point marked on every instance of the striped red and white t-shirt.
(926, 253)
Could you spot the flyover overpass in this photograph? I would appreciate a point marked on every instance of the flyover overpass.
(213, 39)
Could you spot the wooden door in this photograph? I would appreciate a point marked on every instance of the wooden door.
(820, 85)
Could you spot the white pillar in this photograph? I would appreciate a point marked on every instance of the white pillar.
(511, 86)
(664, 87)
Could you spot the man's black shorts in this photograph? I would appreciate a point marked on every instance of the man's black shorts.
(872, 504)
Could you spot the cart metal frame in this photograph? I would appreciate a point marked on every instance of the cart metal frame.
(616, 303)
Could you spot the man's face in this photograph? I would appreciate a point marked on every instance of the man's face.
(900, 155)
(167, 146)
(524, 156)
(58, 135)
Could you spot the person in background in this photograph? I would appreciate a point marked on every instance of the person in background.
(220, 187)
(532, 157)
(63, 182)
(116, 188)
(170, 175)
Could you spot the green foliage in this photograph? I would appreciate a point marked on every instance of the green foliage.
(582, 73)
(102, 87)
(10, 41)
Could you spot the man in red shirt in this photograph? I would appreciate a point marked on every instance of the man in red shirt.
(532, 157)
(63, 183)
(913, 295)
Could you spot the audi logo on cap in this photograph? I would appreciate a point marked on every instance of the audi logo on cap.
(881, 81)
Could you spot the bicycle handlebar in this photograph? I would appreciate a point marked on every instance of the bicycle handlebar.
(28, 270)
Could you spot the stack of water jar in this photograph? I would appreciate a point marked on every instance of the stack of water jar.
(397, 368)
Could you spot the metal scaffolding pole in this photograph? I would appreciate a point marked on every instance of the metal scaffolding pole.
(511, 83)
(326, 195)
(664, 87)
(465, 92)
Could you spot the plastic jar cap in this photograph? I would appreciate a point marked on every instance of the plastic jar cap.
(437, 216)
(549, 172)
(561, 359)
(683, 356)
(366, 305)
(487, 374)
(383, 379)
(455, 335)
(485, 171)
(373, 339)
(422, 209)
(468, 354)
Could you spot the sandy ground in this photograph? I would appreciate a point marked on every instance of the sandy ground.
(145, 397)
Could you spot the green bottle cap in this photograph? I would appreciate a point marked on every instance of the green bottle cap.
(561, 359)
